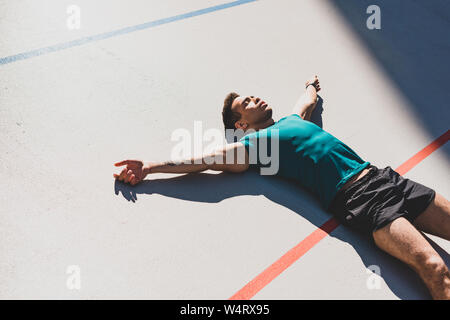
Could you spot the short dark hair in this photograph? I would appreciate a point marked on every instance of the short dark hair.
(228, 116)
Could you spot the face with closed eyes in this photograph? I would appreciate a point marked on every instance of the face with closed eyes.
(254, 112)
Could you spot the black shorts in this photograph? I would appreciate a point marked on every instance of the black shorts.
(378, 198)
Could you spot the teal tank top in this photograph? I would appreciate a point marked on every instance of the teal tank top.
(317, 160)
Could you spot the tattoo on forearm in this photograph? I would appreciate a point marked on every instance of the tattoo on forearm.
(173, 163)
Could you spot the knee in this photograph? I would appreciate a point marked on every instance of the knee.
(432, 266)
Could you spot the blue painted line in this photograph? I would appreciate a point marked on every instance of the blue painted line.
(110, 34)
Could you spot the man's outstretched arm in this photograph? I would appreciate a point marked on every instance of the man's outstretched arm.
(233, 158)
(308, 101)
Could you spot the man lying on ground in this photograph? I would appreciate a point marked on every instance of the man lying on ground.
(378, 202)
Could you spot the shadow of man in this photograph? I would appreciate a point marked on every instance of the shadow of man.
(213, 188)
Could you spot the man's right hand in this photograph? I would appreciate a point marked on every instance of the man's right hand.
(134, 173)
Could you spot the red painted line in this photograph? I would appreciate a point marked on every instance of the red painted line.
(422, 154)
(285, 261)
(274, 270)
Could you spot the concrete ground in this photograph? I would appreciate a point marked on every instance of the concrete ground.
(71, 106)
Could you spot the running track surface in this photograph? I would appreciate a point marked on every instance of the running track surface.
(80, 102)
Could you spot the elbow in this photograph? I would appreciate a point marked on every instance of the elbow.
(237, 168)
(232, 168)
(305, 114)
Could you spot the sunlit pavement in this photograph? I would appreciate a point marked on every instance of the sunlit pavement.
(71, 110)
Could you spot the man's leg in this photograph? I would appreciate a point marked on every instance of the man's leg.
(403, 241)
(436, 218)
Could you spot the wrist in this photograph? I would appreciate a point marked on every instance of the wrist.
(147, 169)
(310, 84)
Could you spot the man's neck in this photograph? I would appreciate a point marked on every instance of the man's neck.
(263, 125)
